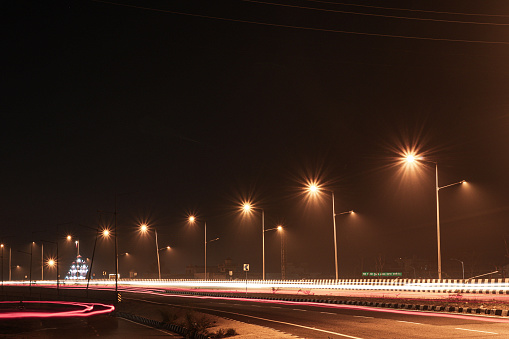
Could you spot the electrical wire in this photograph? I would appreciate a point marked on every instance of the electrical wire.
(305, 28)
(376, 15)
(408, 9)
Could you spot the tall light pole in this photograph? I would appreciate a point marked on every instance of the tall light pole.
(2, 245)
(280, 230)
(192, 220)
(247, 208)
(412, 159)
(56, 262)
(144, 229)
(283, 257)
(42, 261)
(314, 189)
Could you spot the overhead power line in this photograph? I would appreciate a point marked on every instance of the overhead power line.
(408, 9)
(376, 15)
(304, 27)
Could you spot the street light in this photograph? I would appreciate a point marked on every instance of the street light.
(31, 255)
(280, 228)
(247, 208)
(2, 245)
(192, 220)
(283, 257)
(314, 189)
(56, 262)
(414, 159)
(144, 229)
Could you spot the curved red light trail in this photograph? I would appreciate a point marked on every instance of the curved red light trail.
(77, 309)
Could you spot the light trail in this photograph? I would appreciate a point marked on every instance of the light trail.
(470, 317)
(78, 309)
(474, 286)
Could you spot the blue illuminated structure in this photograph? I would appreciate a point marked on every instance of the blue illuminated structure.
(78, 269)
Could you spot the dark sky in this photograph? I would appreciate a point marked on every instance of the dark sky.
(190, 106)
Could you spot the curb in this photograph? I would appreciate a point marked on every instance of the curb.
(160, 325)
(432, 308)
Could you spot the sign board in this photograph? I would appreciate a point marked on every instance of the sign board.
(382, 274)
(246, 267)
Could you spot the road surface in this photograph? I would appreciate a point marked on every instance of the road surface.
(314, 320)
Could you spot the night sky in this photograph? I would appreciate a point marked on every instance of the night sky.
(181, 107)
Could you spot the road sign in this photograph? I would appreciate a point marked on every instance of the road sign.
(382, 274)
(246, 267)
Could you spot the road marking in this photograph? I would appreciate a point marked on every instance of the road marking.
(361, 316)
(153, 328)
(328, 313)
(253, 317)
(275, 307)
(298, 309)
(466, 329)
(408, 322)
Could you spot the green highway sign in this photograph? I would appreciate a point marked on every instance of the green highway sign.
(382, 274)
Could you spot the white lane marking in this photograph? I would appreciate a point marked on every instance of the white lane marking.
(409, 322)
(275, 307)
(264, 319)
(466, 329)
(361, 316)
(157, 329)
(298, 309)
(328, 313)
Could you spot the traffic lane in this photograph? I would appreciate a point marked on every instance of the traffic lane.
(79, 327)
(307, 320)
(309, 323)
(130, 329)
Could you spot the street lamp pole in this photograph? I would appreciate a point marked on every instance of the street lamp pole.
(335, 236)
(2, 266)
(263, 243)
(283, 267)
(157, 251)
(42, 261)
(314, 188)
(412, 158)
(205, 245)
(437, 188)
(57, 264)
(192, 219)
(247, 208)
(116, 248)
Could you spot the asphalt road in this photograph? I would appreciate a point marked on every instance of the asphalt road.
(309, 320)
(95, 327)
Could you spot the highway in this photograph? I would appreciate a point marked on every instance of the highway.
(314, 320)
